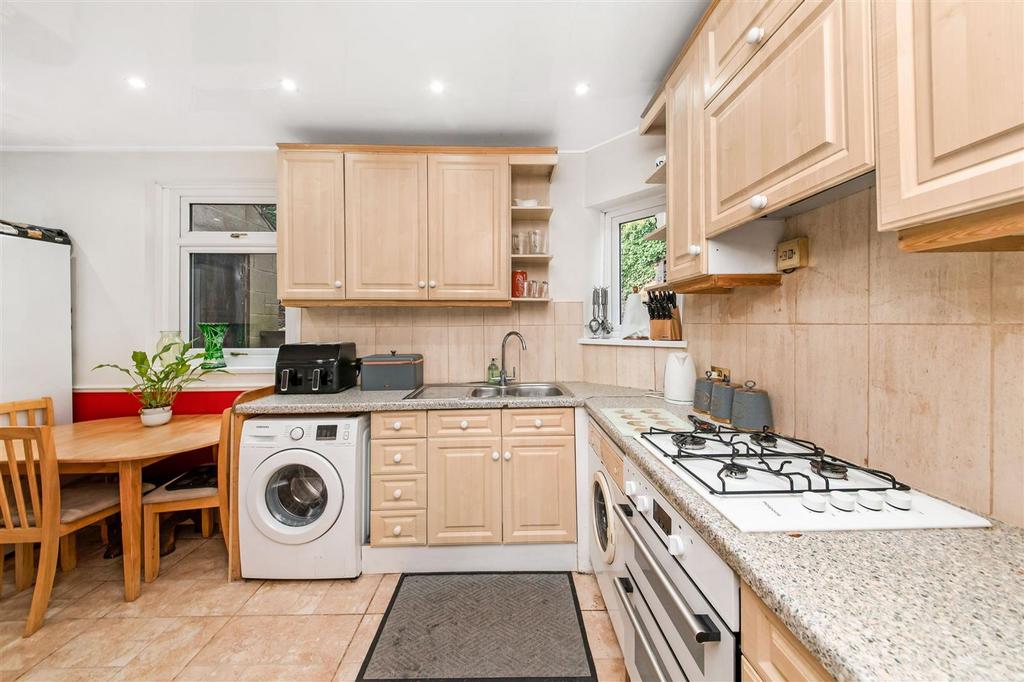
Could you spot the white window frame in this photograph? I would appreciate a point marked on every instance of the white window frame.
(178, 243)
(613, 218)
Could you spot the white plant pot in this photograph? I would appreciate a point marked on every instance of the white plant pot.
(155, 416)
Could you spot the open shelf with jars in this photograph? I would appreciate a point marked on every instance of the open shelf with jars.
(531, 212)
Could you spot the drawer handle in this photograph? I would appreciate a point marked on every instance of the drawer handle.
(495, 455)
(463, 424)
(537, 423)
(758, 201)
(508, 456)
(754, 35)
(397, 458)
(397, 426)
(397, 494)
(396, 531)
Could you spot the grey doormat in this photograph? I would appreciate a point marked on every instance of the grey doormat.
(481, 626)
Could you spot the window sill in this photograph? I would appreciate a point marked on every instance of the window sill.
(635, 343)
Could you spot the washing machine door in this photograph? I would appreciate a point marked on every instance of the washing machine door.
(295, 496)
(602, 517)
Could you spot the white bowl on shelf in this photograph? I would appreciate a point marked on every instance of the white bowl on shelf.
(525, 203)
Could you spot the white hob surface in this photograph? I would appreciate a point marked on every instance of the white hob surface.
(804, 501)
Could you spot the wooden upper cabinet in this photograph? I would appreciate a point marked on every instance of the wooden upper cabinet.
(310, 225)
(386, 226)
(732, 34)
(796, 119)
(684, 121)
(950, 109)
(539, 489)
(463, 491)
(469, 230)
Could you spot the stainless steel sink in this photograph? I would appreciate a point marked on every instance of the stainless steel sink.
(487, 391)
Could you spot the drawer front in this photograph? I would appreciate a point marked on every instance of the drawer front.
(475, 423)
(398, 528)
(554, 421)
(766, 148)
(770, 649)
(734, 32)
(388, 492)
(399, 456)
(398, 425)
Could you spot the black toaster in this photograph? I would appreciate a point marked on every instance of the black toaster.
(316, 368)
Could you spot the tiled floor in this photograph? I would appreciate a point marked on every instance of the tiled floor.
(191, 624)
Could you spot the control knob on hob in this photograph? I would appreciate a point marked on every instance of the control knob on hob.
(842, 501)
(676, 545)
(816, 502)
(900, 499)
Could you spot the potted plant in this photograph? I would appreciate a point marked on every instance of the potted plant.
(159, 378)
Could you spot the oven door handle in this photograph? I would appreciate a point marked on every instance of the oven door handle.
(623, 587)
(702, 632)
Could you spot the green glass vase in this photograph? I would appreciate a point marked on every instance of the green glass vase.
(213, 340)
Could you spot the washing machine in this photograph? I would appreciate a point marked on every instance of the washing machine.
(609, 543)
(301, 496)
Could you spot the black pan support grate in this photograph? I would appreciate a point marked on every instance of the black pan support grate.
(769, 460)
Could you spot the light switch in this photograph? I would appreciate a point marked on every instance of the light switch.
(791, 255)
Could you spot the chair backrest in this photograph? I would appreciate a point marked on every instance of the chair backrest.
(29, 483)
(36, 412)
(224, 451)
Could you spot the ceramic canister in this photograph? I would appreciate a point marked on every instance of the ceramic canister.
(721, 401)
(702, 393)
(751, 408)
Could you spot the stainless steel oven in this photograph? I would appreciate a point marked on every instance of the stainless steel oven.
(672, 629)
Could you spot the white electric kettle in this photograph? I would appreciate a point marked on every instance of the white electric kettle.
(680, 379)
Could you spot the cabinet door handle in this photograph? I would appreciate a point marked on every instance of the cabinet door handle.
(758, 201)
(397, 494)
(495, 455)
(337, 284)
(463, 424)
(694, 250)
(537, 423)
(421, 284)
(508, 456)
(754, 35)
(397, 458)
(397, 426)
(396, 531)
(433, 284)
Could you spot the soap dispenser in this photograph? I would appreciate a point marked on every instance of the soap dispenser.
(493, 372)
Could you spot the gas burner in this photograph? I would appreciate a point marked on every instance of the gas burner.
(688, 441)
(734, 470)
(765, 440)
(701, 426)
(828, 469)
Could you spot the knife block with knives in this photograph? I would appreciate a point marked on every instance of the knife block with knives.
(664, 312)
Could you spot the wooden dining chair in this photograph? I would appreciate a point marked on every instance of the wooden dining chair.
(34, 509)
(163, 500)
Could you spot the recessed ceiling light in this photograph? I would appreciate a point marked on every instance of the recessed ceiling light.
(436, 87)
(288, 85)
(135, 82)
(582, 88)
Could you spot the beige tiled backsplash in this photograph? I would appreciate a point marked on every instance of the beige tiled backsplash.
(912, 363)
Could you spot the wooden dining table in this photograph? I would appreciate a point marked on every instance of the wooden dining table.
(124, 446)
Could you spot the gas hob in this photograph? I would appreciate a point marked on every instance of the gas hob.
(768, 482)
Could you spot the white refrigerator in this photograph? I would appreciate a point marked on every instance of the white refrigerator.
(35, 316)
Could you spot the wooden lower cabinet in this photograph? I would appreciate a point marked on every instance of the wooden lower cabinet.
(771, 653)
(463, 491)
(538, 482)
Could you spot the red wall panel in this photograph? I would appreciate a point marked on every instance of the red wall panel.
(89, 405)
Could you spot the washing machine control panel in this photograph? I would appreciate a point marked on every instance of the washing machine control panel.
(327, 432)
(297, 433)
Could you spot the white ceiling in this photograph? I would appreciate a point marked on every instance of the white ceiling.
(213, 70)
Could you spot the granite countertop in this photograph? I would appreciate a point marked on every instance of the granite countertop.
(907, 605)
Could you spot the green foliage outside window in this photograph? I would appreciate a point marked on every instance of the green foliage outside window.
(637, 255)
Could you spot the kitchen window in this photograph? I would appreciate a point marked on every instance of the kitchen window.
(222, 267)
(633, 258)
